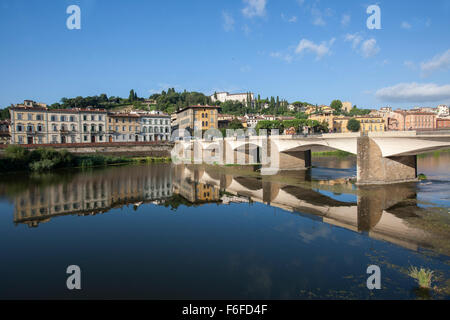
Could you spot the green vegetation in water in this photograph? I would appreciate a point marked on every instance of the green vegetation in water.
(151, 159)
(336, 153)
(18, 158)
(422, 177)
(422, 276)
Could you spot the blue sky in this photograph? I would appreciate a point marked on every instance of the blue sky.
(308, 50)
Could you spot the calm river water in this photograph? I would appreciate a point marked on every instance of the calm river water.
(162, 231)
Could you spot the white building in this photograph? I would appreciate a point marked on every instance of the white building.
(238, 97)
(155, 126)
(443, 110)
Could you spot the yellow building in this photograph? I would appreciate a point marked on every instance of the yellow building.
(368, 124)
(340, 124)
(324, 117)
(198, 117)
(371, 124)
(347, 106)
(123, 127)
(28, 123)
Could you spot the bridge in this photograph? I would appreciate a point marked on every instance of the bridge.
(382, 158)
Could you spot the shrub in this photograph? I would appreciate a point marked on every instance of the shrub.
(42, 165)
(422, 276)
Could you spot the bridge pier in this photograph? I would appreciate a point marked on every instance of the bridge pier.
(373, 168)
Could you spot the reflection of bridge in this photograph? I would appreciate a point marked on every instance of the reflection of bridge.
(381, 157)
(369, 213)
(372, 211)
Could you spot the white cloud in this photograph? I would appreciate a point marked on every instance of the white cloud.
(228, 21)
(369, 48)
(345, 20)
(287, 19)
(355, 39)
(405, 25)
(320, 50)
(285, 57)
(317, 17)
(254, 8)
(414, 93)
(437, 63)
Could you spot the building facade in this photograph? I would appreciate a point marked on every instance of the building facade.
(123, 127)
(28, 123)
(400, 120)
(197, 117)
(243, 98)
(154, 126)
(443, 123)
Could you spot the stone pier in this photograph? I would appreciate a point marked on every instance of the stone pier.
(372, 168)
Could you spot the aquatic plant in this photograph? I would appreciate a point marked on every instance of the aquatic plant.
(422, 276)
(422, 177)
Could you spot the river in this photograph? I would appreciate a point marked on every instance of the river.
(161, 231)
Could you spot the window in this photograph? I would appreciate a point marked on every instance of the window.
(19, 116)
(72, 118)
(100, 118)
(62, 118)
(19, 128)
(30, 116)
(38, 117)
(93, 128)
(39, 127)
(85, 138)
(92, 118)
(53, 118)
(85, 128)
(20, 139)
(85, 117)
(74, 128)
(100, 128)
(54, 139)
(55, 128)
(100, 138)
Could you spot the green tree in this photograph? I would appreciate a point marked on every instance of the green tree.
(353, 125)
(132, 95)
(336, 105)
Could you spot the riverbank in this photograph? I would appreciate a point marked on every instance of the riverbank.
(45, 159)
(335, 153)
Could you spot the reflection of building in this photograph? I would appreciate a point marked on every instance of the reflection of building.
(94, 193)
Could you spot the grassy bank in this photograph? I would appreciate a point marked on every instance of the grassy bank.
(335, 153)
(46, 159)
